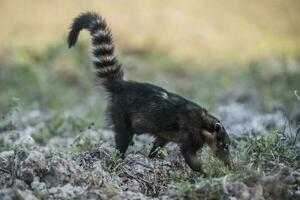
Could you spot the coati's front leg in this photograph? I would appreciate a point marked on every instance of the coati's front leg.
(123, 137)
(159, 142)
(189, 152)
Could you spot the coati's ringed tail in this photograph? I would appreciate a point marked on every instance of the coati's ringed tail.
(107, 67)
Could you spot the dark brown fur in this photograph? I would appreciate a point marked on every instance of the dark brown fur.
(138, 108)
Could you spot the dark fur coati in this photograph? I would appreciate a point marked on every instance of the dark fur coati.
(137, 108)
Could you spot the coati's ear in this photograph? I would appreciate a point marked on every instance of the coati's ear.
(209, 137)
(218, 127)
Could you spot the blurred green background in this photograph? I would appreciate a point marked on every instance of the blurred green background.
(212, 52)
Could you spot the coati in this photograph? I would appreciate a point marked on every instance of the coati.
(138, 108)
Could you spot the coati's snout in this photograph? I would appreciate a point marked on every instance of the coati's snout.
(219, 142)
(223, 144)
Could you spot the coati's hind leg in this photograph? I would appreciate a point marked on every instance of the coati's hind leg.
(123, 138)
(189, 152)
(159, 142)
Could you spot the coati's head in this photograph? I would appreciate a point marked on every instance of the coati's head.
(215, 135)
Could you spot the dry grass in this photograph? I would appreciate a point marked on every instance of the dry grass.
(215, 30)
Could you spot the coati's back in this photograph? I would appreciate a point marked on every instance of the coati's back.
(107, 68)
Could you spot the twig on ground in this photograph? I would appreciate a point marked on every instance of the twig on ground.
(136, 178)
(5, 170)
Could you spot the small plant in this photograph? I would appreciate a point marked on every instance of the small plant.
(111, 189)
(7, 121)
(213, 166)
(161, 152)
(14, 104)
(5, 146)
(60, 125)
(259, 151)
(113, 162)
(184, 188)
(82, 143)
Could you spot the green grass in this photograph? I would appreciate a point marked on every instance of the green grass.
(260, 154)
(275, 148)
(61, 126)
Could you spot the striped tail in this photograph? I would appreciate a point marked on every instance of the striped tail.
(108, 70)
